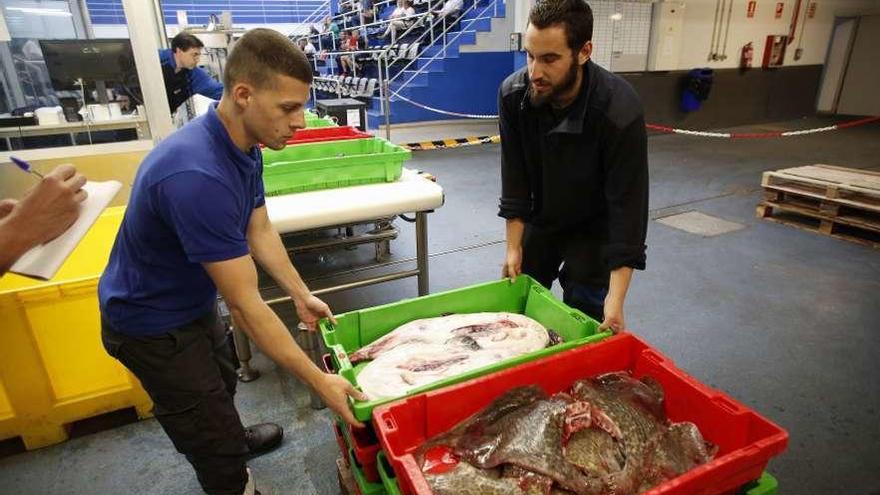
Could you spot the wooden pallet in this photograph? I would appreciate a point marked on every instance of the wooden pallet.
(832, 185)
(806, 219)
(839, 202)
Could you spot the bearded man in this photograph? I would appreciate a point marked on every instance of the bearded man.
(574, 166)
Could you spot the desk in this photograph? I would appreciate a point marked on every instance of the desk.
(413, 193)
(72, 128)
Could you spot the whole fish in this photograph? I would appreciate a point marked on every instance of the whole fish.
(608, 436)
(428, 350)
(651, 449)
(472, 330)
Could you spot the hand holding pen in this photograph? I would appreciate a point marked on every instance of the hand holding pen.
(47, 209)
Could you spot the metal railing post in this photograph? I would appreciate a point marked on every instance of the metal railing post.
(444, 36)
(387, 112)
(384, 96)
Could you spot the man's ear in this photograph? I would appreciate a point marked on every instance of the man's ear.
(241, 94)
(585, 52)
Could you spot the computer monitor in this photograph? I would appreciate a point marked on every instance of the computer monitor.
(90, 60)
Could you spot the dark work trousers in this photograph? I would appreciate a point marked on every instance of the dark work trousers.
(190, 375)
(583, 276)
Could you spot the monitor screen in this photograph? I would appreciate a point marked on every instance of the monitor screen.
(89, 60)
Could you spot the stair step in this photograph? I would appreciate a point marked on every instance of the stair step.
(418, 79)
(466, 37)
(451, 50)
(430, 65)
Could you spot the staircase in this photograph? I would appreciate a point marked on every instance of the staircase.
(452, 78)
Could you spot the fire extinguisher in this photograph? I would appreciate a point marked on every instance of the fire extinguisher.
(746, 55)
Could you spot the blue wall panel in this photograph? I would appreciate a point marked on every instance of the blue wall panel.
(468, 84)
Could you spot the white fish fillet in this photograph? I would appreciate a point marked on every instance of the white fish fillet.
(428, 350)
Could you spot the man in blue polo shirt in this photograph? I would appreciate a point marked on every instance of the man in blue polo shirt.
(195, 223)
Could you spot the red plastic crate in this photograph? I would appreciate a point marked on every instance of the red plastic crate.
(366, 448)
(340, 440)
(319, 134)
(746, 440)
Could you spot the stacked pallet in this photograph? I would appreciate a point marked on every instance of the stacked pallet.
(836, 201)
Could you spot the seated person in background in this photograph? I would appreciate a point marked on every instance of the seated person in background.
(351, 42)
(330, 31)
(45, 212)
(398, 19)
(347, 6)
(451, 9)
(368, 12)
(307, 47)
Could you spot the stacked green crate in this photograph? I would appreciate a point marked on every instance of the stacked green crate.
(312, 120)
(331, 164)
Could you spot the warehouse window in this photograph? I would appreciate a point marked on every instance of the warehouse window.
(199, 11)
(28, 83)
(621, 34)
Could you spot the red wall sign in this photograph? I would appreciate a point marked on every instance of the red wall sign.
(753, 5)
(780, 6)
(811, 11)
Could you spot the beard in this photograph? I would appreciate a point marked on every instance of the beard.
(556, 90)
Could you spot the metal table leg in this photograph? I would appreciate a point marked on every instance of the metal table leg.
(310, 344)
(243, 349)
(422, 251)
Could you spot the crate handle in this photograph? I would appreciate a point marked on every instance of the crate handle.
(328, 363)
(654, 357)
(389, 422)
(724, 403)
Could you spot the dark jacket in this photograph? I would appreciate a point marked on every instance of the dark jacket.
(587, 172)
(180, 86)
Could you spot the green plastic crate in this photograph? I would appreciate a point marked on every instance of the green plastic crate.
(364, 486)
(525, 296)
(389, 480)
(766, 485)
(331, 164)
(312, 120)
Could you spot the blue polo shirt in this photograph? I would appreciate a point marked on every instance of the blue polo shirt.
(191, 203)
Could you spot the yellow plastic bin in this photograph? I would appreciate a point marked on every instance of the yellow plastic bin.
(53, 367)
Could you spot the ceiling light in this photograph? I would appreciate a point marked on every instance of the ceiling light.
(38, 11)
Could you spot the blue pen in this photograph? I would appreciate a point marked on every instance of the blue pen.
(25, 166)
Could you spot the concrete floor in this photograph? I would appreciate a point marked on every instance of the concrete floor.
(783, 320)
(441, 129)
